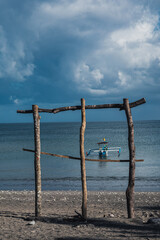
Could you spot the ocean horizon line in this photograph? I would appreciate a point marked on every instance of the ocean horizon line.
(107, 121)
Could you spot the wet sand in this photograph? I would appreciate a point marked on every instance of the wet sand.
(107, 216)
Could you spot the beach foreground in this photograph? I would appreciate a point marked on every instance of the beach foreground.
(107, 216)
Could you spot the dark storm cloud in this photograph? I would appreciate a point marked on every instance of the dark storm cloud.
(59, 51)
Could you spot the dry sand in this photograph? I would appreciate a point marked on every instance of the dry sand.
(107, 216)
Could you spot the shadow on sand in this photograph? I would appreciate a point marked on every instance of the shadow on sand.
(120, 226)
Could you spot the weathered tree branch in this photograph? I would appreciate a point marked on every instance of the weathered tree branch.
(77, 158)
(131, 182)
(37, 165)
(135, 104)
(73, 108)
(82, 154)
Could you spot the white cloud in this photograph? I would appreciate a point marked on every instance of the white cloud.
(139, 32)
(97, 75)
(124, 79)
(97, 91)
(109, 46)
(88, 79)
(120, 41)
(81, 17)
(14, 100)
(128, 54)
(138, 45)
(20, 101)
(101, 92)
(13, 61)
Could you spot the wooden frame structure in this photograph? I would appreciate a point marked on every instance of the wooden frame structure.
(126, 106)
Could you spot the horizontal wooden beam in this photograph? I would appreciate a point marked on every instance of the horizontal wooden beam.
(136, 103)
(24, 111)
(77, 158)
(73, 108)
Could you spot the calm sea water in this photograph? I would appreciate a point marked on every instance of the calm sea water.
(17, 166)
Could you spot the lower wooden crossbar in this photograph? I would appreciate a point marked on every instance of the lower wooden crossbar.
(87, 159)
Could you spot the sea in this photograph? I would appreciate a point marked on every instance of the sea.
(17, 166)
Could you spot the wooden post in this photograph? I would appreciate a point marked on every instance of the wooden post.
(131, 182)
(37, 165)
(82, 154)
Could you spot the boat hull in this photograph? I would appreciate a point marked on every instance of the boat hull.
(103, 153)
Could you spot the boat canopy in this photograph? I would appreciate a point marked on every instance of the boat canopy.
(102, 142)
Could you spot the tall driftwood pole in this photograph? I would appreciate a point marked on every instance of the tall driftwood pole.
(131, 182)
(82, 154)
(37, 165)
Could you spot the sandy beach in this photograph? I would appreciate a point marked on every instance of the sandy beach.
(107, 216)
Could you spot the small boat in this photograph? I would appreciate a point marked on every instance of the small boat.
(103, 149)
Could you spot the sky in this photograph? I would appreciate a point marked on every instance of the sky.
(55, 52)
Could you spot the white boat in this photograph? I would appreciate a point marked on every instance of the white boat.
(103, 149)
